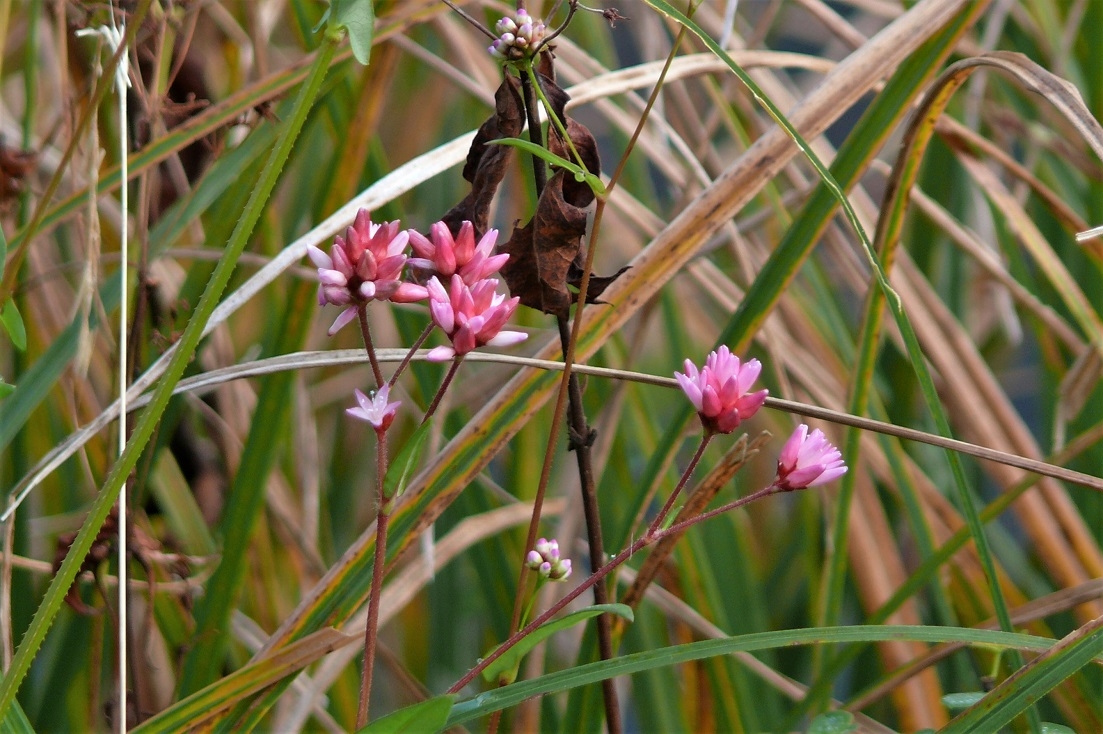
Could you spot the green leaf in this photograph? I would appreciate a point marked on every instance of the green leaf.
(5, 388)
(357, 18)
(833, 722)
(13, 322)
(427, 716)
(504, 669)
(1051, 728)
(403, 465)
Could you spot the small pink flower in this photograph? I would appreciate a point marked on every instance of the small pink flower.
(441, 254)
(545, 560)
(808, 459)
(364, 265)
(471, 316)
(375, 410)
(719, 390)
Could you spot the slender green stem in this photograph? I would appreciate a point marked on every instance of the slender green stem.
(150, 419)
(535, 82)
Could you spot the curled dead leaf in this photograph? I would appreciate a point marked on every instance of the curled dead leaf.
(486, 164)
(545, 255)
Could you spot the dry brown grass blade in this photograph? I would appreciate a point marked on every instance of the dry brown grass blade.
(1047, 259)
(982, 411)
(961, 138)
(970, 244)
(1076, 387)
(1055, 90)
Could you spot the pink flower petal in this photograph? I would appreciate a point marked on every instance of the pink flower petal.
(349, 314)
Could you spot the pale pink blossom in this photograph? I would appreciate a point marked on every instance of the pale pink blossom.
(719, 390)
(545, 560)
(364, 265)
(375, 409)
(471, 316)
(443, 255)
(808, 459)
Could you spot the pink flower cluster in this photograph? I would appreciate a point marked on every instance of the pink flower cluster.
(445, 256)
(719, 390)
(366, 265)
(471, 316)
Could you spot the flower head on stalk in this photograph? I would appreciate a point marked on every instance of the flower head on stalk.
(808, 459)
(471, 316)
(444, 255)
(375, 409)
(545, 560)
(719, 390)
(364, 265)
(518, 37)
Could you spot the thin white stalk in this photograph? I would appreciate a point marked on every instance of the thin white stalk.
(1089, 234)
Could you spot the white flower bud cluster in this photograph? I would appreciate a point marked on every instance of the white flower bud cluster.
(545, 560)
(518, 37)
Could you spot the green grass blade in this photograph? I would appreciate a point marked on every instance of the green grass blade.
(1021, 691)
(511, 695)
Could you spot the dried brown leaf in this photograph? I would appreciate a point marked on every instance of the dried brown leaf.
(541, 252)
(486, 164)
(597, 283)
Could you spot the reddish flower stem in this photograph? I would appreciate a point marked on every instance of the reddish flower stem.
(663, 513)
(410, 355)
(443, 387)
(365, 331)
(600, 574)
(371, 631)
